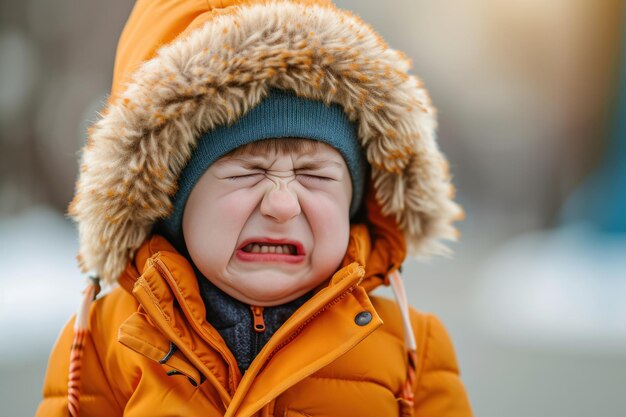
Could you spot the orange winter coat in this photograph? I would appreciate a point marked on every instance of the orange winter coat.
(319, 363)
(184, 67)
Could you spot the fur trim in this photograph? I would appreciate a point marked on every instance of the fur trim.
(212, 76)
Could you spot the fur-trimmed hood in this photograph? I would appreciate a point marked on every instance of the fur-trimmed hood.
(182, 70)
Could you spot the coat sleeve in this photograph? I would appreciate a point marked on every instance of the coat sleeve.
(96, 399)
(439, 390)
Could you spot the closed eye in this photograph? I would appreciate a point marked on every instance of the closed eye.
(253, 175)
(311, 177)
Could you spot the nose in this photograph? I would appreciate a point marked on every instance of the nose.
(280, 203)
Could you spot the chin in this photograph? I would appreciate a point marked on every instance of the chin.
(265, 298)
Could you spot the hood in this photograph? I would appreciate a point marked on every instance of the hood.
(183, 68)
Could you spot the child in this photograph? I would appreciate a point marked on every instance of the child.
(259, 169)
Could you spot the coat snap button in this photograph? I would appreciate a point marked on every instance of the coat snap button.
(363, 318)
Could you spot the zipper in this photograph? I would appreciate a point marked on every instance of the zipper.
(257, 316)
(259, 328)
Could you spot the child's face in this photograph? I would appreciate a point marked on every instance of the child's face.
(267, 228)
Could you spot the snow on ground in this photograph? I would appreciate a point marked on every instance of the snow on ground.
(563, 288)
(40, 283)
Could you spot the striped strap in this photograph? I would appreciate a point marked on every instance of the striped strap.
(81, 330)
(397, 285)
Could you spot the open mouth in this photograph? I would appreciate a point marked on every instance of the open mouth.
(262, 247)
(271, 250)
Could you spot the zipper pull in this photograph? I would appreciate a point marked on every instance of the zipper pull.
(257, 316)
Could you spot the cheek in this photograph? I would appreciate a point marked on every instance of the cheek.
(211, 228)
(330, 225)
(328, 213)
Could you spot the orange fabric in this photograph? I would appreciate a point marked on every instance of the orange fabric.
(153, 24)
(389, 245)
(320, 352)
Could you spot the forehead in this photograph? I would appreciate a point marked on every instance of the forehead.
(283, 146)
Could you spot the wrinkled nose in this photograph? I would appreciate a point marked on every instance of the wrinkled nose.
(280, 203)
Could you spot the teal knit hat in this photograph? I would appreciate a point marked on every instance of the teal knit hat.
(281, 114)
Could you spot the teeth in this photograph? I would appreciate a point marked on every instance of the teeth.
(266, 248)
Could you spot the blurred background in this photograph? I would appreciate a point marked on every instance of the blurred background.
(531, 96)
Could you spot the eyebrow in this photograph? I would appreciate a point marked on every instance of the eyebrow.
(247, 163)
(258, 163)
(315, 164)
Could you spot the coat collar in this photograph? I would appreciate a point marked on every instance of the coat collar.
(171, 310)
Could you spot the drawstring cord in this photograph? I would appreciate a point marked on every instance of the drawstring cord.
(397, 285)
(81, 329)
